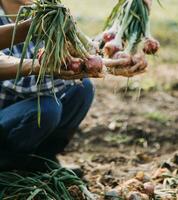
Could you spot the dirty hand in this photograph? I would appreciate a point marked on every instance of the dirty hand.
(139, 65)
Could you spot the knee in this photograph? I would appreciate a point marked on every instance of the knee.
(87, 91)
(27, 135)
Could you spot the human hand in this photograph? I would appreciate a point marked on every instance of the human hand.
(137, 66)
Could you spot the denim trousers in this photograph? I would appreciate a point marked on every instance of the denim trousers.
(21, 136)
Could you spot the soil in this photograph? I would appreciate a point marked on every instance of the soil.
(126, 133)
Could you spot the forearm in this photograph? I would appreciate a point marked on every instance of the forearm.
(9, 67)
(6, 33)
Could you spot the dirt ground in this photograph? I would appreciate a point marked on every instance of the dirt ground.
(126, 132)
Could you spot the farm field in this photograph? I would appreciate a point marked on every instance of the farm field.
(133, 125)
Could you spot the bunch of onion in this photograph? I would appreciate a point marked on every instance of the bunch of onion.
(125, 28)
(54, 27)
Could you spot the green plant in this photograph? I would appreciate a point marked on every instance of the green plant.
(55, 185)
(127, 24)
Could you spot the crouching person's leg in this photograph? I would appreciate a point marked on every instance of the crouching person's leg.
(76, 104)
(20, 133)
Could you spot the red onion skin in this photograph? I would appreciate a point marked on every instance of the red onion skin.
(94, 64)
(111, 48)
(75, 65)
(108, 36)
(151, 46)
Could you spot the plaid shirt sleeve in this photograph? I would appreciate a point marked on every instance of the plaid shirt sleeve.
(26, 86)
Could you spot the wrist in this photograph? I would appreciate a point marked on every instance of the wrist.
(27, 67)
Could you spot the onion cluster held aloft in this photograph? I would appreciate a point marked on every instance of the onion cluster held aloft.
(65, 46)
(126, 27)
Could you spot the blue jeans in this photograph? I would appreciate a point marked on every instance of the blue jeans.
(20, 133)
